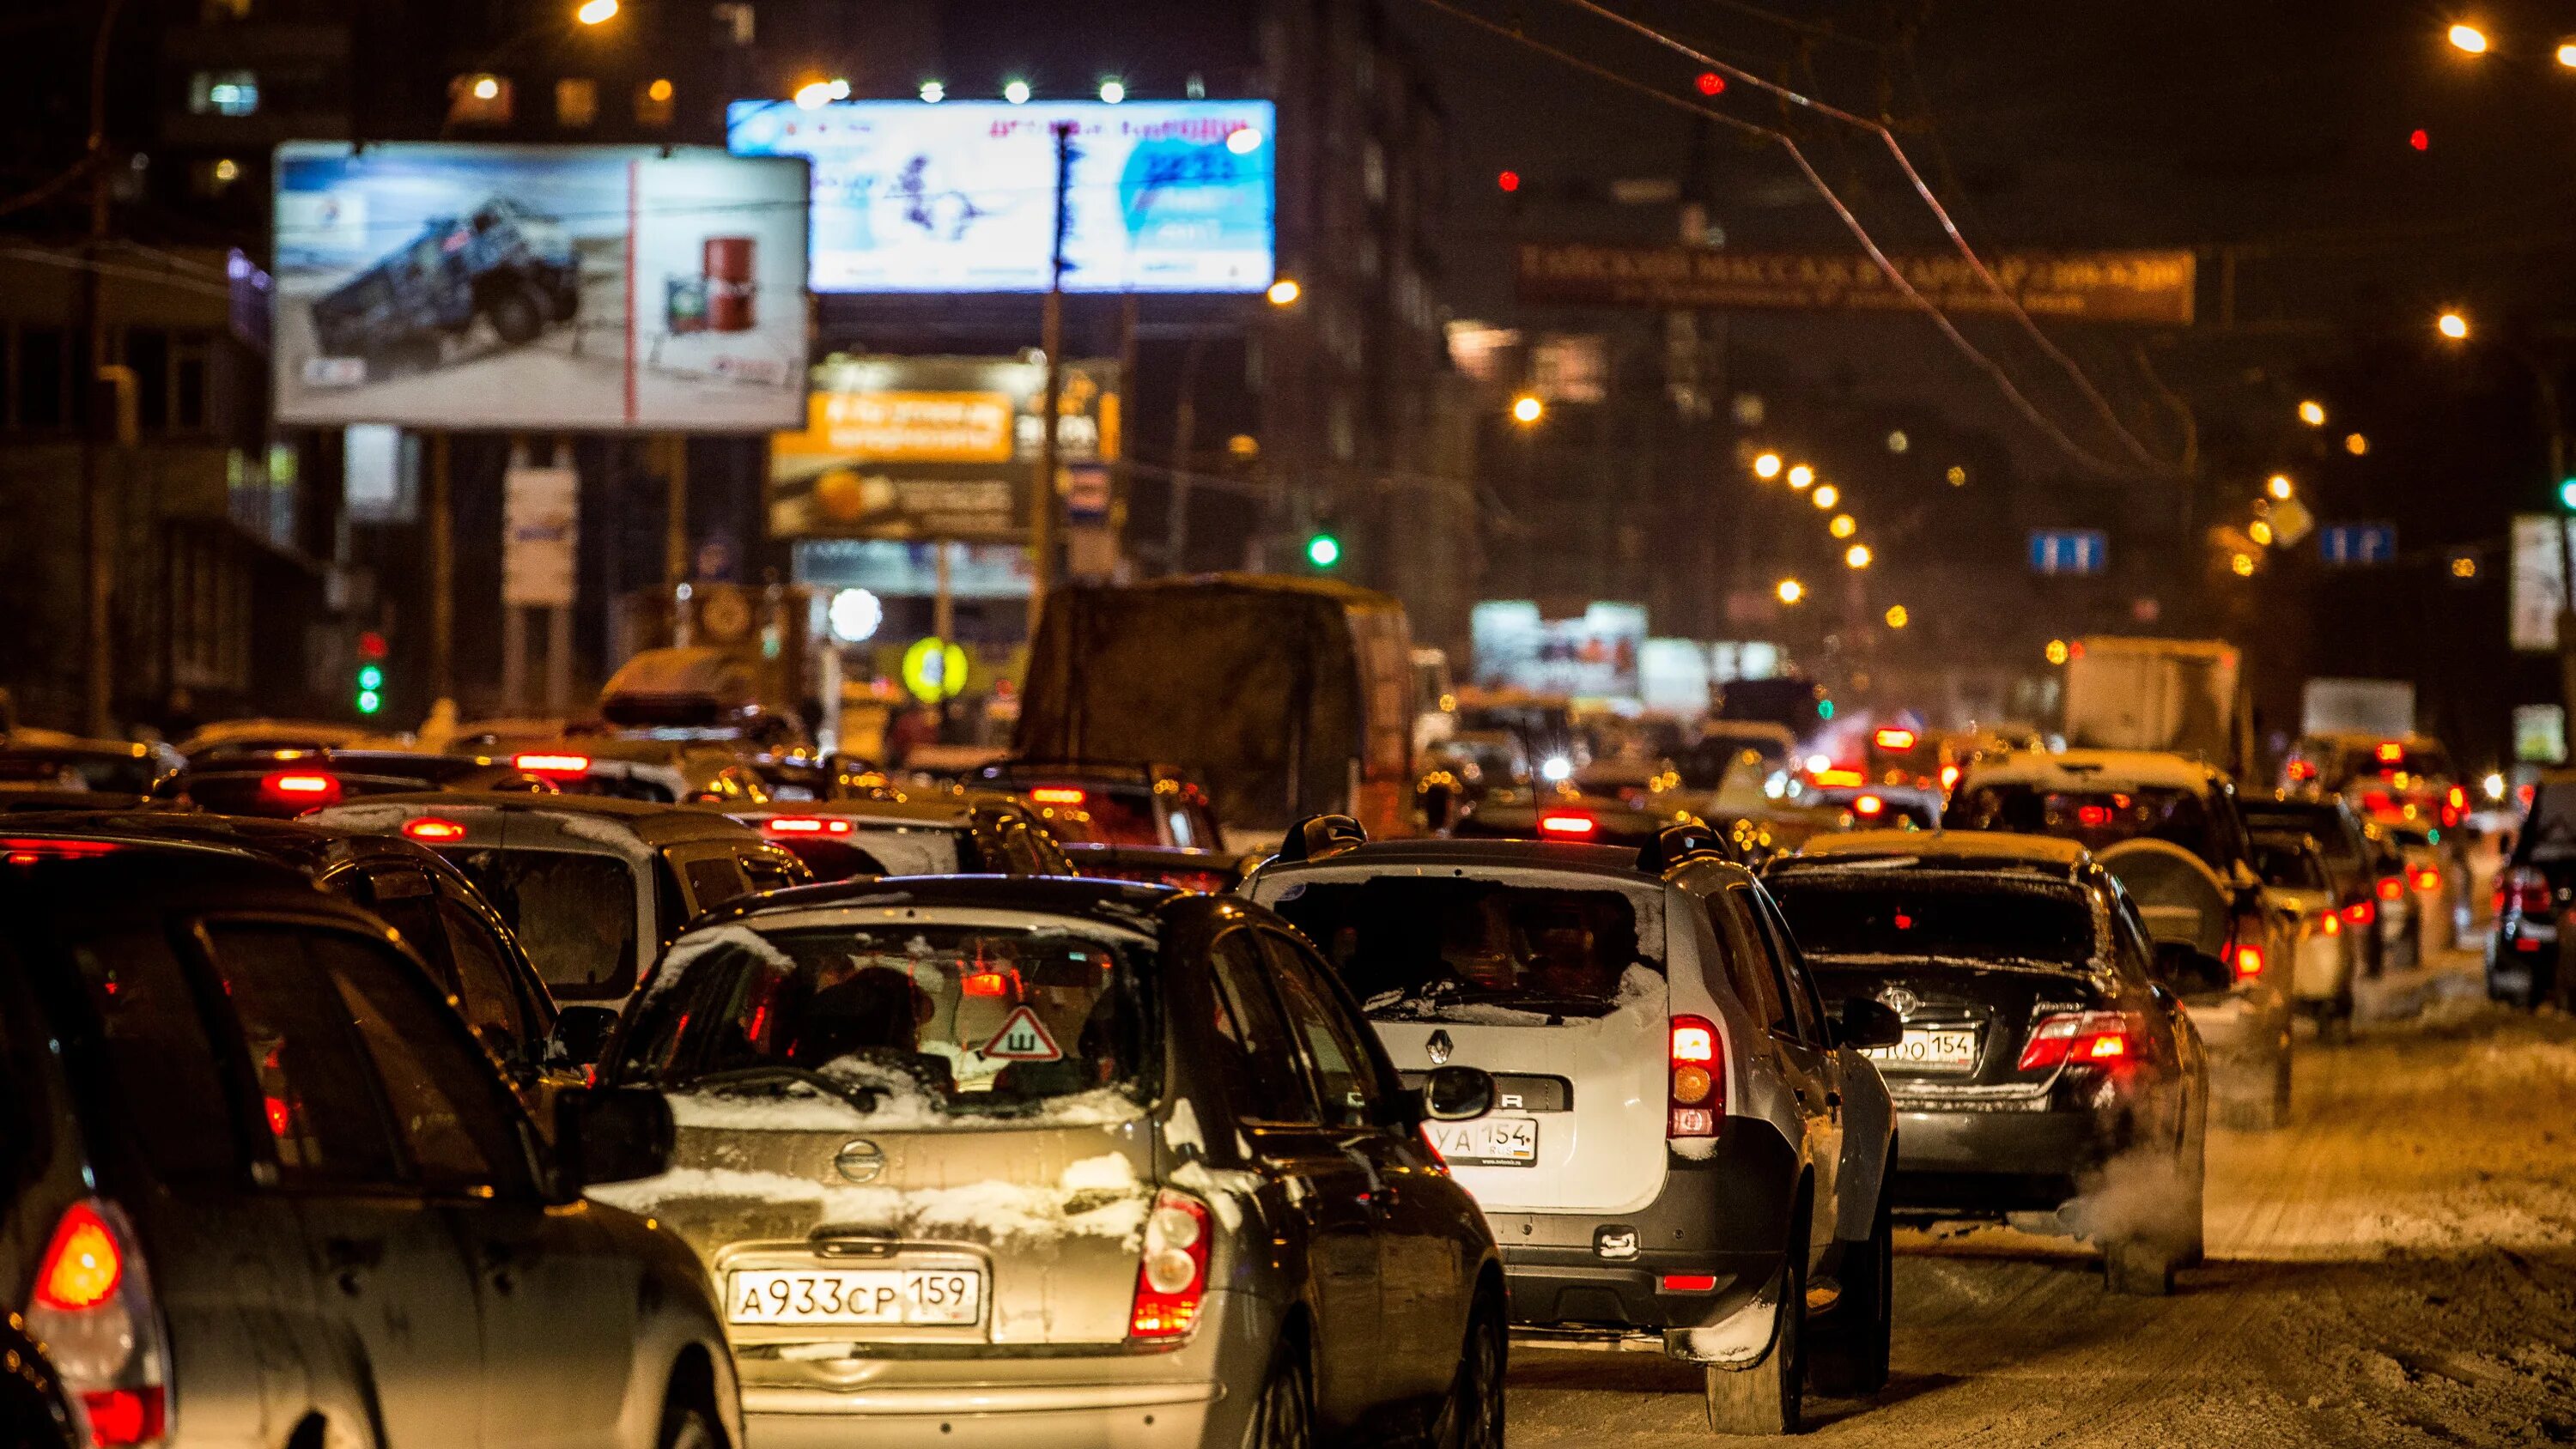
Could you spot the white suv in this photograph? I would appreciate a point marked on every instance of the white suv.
(1683, 1140)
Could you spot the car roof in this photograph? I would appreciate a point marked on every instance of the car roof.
(1602, 860)
(46, 745)
(957, 811)
(2088, 769)
(1940, 847)
(654, 824)
(135, 879)
(1130, 904)
(295, 844)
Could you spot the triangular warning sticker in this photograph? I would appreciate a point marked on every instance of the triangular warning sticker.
(1023, 1038)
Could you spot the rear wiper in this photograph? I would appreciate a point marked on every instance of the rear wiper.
(780, 1074)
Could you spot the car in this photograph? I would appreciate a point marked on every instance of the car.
(1879, 807)
(260, 733)
(973, 832)
(593, 888)
(1685, 1141)
(2327, 962)
(2525, 961)
(2044, 1063)
(2436, 880)
(34, 1411)
(2408, 779)
(2169, 827)
(1006, 1162)
(655, 771)
(1561, 815)
(42, 760)
(2351, 860)
(1119, 804)
(285, 1198)
(284, 783)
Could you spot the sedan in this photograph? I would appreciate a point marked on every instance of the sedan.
(981, 1161)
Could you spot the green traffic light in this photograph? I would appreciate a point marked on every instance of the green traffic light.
(371, 677)
(1323, 550)
(1824, 709)
(2567, 494)
(369, 701)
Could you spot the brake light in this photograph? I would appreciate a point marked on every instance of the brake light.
(2086, 1038)
(1869, 805)
(1172, 1279)
(552, 764)
(2093, 817)
(91, 1307)
(2361, 913)
(1893, 739)
(2333, 924)
(1689, 1282)
(2302, 770)
(1567, 824)
(2392, 887)
(1830, 778)
(302, 787)
(2248, 961)
(431, 830)
(2458, 798)
(28, 852)
(1949, 776)
(2392, 753)
(2525, 890)
(2426, 877)
(804, 825)
(1057, 795)
(1699, 1079)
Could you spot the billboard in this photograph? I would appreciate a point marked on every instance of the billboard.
(2539, 584)
(1594, 655)
(543, 287)
(2149, 288)
(932, 447)
(1165, 196)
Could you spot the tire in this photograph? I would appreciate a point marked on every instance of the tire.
(2138, 1268)
(686, 1426)
(1284, 1416)
(1769, 1398)
(1849, 1356)
(518, 315)
(1473, 1417)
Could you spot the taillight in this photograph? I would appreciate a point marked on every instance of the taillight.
(2085, 1038)
(2525, 890)
(1896, 739)
(1567, 825)
(2333, 924)
(1698, 1080)
(2392, 887)
(1831, 778)
(2426, 878)
(1172, 1279)
(804, 825)
(1869, 806)
(2458, 798)
(551, 764)
(2248, 962)
(2361, 913)
(308, 788)
(28, 852)
(430, 830)
(92, 1309)
(1689, 1282)
(1057, 795)
(1949, 776)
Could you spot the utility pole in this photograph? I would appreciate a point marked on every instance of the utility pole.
(442, 569)
(1042, 506)
(98, 510)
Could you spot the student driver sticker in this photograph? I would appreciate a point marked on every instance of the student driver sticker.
(1023, 1038)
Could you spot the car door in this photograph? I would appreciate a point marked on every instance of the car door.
(389, 1277)
(557, 1308)
(1807, 1061)
(1326, 1189)
(1422, 1275)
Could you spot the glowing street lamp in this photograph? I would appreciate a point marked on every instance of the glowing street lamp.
(1857, 556)
(2313, 413)
(1527, 409)
(1790, 591)
(2279, 487)
(1897, 618)
(1843, 526)
(2468, 38)
(1767, 466)
(2567, 54)
(815, 95)
(1285, 292)
(2453, 325)
(1801, 476)
(1112, 91)
(1016, 91)
(1826, 497)
(596, 12)
(933, 92)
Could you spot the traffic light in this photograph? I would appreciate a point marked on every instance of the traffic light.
(2567, 494)
(1323, 550)
(371, 672)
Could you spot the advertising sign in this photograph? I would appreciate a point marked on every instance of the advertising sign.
(555, 287)
(932, 447)
(2153, 288)
(1164, 196)
(540, 536)
(2539, 579)
(1592, 656)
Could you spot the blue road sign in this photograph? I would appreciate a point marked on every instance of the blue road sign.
(2068, 551)
(2352, 544)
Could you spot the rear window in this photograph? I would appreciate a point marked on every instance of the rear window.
(79, 772)
(2363, 762)
(573, 912)
(158, 1051)
(917, 849)
(1925, 914)
(915, 1021)
(2550, 832)
(1424, 949)
(2095, 817)
(2322, 823)
(2289, 865)
(1104, 813)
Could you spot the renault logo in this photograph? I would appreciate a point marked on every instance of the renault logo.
(860, 1160)
(1439, 1047)
(1899, 1000)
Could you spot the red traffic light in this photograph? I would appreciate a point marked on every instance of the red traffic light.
(1509, 181)
(1711, 83)
(371, 645)
(2421, 140)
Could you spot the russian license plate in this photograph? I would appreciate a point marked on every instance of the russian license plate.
(867, 1296)
(1487, 1141)
(1933, 1050)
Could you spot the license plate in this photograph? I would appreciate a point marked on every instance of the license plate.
(1487, 1141)
(868, 1296)
(1954, 1051)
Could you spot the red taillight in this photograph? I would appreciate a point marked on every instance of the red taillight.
(2248, 962)
(2526, 891)
(28, 852)
(2392, 887)
(1057, 795)
(2333, 924)
(2458, 798)
(1839, 777)
(2093, 817)
(1893, 739)
(804, 825)
(551, 764)
(2426, 878)
(123, 1417)
(2392, 753)
(2302, 770)
(2361, 913)
(301, 787)
(83, 1265)
(431, 830)
(1567, 825)
(1689, 1283)
(2095, 1038)
(1949, 776)
(1869, 805)
(1698, 1078)
(1172, 1279)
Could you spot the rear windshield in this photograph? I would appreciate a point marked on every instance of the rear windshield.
(922, 1021)
(2361, 762)
(2550, 832)
(2289, 865)
(50, 771)
(1622, 828)
(2095, 817)
(2322, 823)
(573, 911)
(1918, 914)
(1424, 949)
(917, 849)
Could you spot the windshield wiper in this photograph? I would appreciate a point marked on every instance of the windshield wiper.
(780, 1074)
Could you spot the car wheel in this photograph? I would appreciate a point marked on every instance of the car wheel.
(1850, 1355)
(686, 1426)
(517, 315)
(2138, 1267)
(1769, 1398)
(1473, 1417)
(1284, 1416)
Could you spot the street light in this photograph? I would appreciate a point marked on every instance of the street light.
(1016, 91)
(2454, 326)
(2313, 414)
(815, 95)
(2567, 54)
(596, 12)
(1285, 292)
(1767, 466)
(1112, 90)
(1897, 618)
(1857, 556)
(933, 92)
(2355, 444)
(2243, 564)
(1826, 497)
(2260, 532)
(2469, 38)
(2279, 487)
(486, 87)
(2056, 652)
(1843, 526)
(1801, 476)
(1527, 409)
(1790, 591)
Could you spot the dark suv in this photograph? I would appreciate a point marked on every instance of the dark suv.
(260, 1182)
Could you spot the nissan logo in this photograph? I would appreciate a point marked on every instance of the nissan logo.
(860, 1160)
(1439, 1048)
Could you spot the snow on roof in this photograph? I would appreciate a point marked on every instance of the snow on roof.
(2086, 769)
(1979, 845)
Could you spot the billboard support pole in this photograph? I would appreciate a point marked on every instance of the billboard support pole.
(442, 571)
(1042, 507)
(98, 510)
(675, 542)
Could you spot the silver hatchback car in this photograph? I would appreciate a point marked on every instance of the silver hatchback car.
(1022, 1162)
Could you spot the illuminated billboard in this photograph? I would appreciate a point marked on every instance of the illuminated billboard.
(555, 287)
(959, 197)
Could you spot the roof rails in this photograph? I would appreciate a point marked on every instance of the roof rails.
(1675, 844)
(1318, 836)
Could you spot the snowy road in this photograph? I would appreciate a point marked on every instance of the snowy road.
(2399, 1267)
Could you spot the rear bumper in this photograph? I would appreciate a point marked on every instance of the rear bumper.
(1996, 1161)
(1724, 1217)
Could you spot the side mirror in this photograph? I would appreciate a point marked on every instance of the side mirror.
(580, 1034)
(1866, 1023)
(2190, 971)
(605, 1135)
(1455, 1094)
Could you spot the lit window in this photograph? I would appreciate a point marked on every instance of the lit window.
(576, 101)
(479, 99)
(223, 93)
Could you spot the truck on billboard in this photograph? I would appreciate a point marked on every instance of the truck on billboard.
(558, 287)
(1170, 196)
